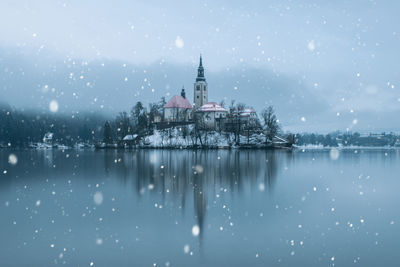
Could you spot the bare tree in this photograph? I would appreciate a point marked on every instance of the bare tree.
(123, 125)
(232, 106)
(222, 103)
(271, 126)
(240, 106)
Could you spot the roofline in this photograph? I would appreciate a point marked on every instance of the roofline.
(211, 110)
(179, 107)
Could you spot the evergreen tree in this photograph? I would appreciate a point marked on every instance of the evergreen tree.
(107, 134)
(140, 118)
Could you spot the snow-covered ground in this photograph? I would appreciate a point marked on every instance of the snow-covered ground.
(183, 138)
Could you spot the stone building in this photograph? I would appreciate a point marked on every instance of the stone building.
(211, 115)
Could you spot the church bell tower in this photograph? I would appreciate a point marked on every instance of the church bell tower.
(200, 87)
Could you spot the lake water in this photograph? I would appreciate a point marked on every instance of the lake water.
(200, 208)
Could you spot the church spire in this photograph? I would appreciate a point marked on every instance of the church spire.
(183, 94)
(200, 71)
(200, 92)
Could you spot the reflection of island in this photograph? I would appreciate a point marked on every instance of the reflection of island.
(206, 174)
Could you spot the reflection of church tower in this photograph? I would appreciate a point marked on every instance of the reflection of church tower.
(200, 205)
(200, 87)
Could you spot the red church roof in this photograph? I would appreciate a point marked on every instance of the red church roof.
(178, 102)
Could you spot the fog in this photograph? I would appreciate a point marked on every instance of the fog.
(324, 67)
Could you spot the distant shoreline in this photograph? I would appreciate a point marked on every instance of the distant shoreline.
(244, 147)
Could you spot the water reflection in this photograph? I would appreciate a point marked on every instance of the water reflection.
(153, 198)
(205, 175)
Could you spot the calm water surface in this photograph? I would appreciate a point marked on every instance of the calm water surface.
(200, 208)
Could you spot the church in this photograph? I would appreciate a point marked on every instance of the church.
(200, 91)
(179, 109)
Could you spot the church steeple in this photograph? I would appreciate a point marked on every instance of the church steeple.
(183, 94)
(200, 87)
(200, 71)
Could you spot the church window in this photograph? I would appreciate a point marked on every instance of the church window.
(198, 87)
(197, 97)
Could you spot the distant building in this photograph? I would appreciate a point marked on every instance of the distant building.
(200, 87)
(129, 140)
(242, 120)
(248, 116)
(130, 137)
(212, 115)
(48, 138)
(178, 108)
(157, 118)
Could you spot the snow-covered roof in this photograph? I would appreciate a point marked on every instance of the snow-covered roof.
(130, 137)
(178, 102)
(211, 107)
(246, 112)
(48, 135)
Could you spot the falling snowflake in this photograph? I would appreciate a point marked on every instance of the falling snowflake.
(199, 168)
(261, 187)
(53, 106)
(311, 45)
(334, 153)
(186, 249)
(195, 230)
(12, 159)
(179, 42)
(98, 198)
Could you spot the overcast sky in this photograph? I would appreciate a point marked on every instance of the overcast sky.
(342, 55)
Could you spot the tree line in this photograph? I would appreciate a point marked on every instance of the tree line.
(19, 128)
(338, 138)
